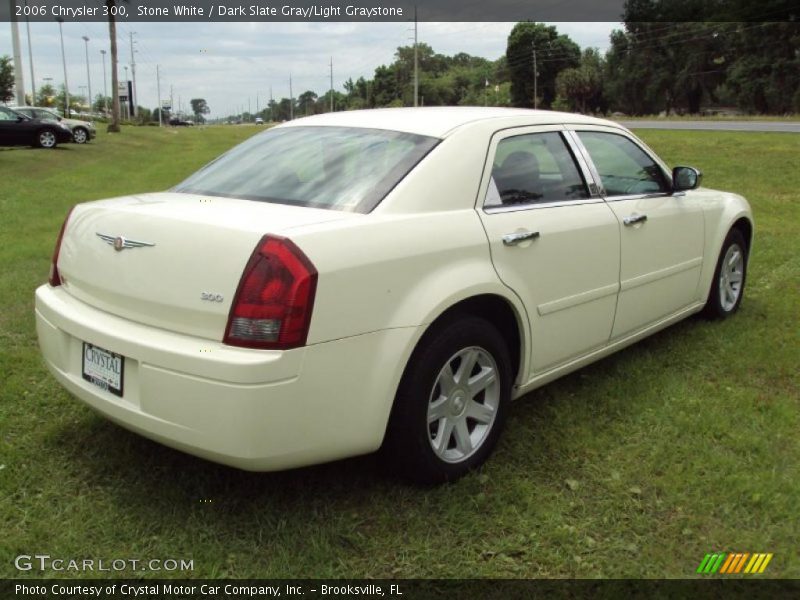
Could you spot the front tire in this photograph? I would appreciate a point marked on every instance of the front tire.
(80, 135)
(46, 138)
(452, 402)
(727, 287)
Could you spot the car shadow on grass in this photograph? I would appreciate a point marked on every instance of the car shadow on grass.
(142, 476)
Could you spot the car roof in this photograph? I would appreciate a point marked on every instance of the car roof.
(437, 121)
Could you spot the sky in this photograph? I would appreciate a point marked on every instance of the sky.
(232, 65)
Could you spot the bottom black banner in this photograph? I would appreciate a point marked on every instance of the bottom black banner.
(406, 589)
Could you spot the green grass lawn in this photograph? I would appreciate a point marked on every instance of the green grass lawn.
(637, 466)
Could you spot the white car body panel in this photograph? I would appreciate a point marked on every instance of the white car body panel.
(586, 287)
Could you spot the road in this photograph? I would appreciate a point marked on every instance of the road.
(764, 126)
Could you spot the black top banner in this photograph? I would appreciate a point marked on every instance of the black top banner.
(396, 10)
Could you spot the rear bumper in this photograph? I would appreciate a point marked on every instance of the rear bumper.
(252, 409)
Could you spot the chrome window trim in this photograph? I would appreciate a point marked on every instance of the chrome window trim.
(624, 197)
(509, 132)
(490, 210)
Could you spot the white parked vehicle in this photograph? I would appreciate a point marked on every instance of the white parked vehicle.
(387, 278)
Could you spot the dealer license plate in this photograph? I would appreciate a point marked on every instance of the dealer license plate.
(103, 368)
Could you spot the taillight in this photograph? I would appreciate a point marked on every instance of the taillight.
(55, 278)
(272, 306)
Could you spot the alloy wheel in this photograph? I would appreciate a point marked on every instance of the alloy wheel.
(463, 404)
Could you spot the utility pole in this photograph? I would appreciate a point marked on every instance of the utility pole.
(271, 115)
(158, 91)
(132, 101)
(88, 74)
(535, 78)
(105, 82)
(19, 84)
(256, 102)
(30, 59)
(331, 84)
(127, 94)
(291, 99)
(64, 60)
(416, 61)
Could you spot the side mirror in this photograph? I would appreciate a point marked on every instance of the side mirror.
(685, 178)
(20, 119)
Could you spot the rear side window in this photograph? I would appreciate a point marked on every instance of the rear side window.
(532, 169)
(341, 168)
(623, 166)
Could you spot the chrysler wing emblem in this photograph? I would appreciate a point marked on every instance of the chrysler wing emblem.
(120, 243)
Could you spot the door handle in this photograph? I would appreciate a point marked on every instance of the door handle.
(512, 239)
(633, 219)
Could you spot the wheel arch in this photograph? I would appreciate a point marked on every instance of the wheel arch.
(726, 212)
(745, 225)
(498, 311)
(501, 311)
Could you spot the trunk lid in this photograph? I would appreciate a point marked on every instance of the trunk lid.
(183, 259)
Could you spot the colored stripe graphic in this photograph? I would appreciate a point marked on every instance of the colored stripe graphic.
(734, 562)
(711, 562)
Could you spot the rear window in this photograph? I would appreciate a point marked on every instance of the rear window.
(339, 168)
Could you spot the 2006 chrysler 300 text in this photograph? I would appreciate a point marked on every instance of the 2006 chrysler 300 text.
(380, 278)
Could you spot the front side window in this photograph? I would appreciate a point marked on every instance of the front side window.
(624, 167)
(340, 168)
(7, 115)
(532, 169)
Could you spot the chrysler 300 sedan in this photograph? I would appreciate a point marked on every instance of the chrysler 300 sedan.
(381, 279)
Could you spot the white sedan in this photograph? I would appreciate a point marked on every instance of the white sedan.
(381, 279)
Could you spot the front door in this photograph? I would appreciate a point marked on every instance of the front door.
(661, 233)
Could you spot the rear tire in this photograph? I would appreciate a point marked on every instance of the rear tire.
(727, 286)
(452, 402)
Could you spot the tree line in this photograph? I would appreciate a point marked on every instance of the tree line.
(650, 67)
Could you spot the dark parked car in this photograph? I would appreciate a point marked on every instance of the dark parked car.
(180, 123)
(82, 131)
(18, 130)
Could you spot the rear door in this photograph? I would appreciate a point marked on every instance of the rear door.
(661, 233)
(553, 241)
